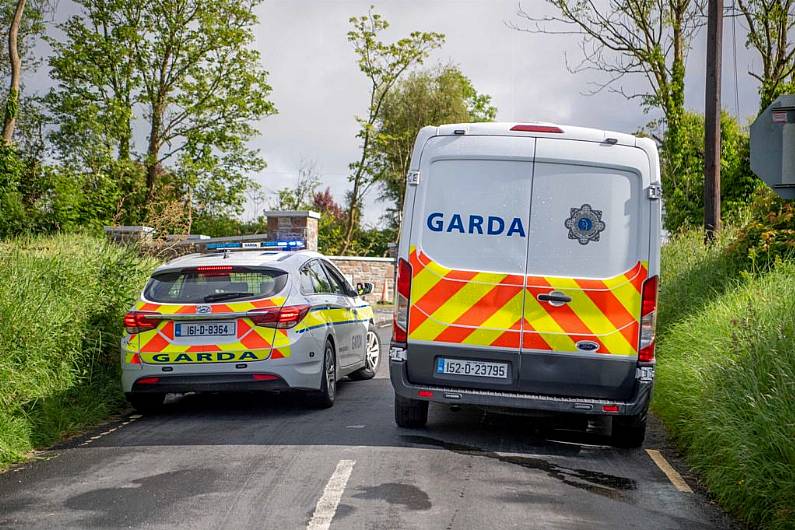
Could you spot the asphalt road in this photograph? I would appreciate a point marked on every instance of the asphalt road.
(252, 461)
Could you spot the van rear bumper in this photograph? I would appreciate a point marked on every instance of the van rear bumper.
(636, 405)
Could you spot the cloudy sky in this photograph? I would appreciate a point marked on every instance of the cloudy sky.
(318, 88)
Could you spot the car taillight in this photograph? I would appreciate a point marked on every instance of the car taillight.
(279, 317)
(400, 323)
(140, 321)
(648, 320)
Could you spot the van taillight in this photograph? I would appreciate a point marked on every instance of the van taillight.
(278, 317)
(140, 321)
(648, 320)
(400, 323)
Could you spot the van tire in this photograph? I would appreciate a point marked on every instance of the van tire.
(147, 403)
(628, 431)
(410, 413)
(324, 398)
(372, 360)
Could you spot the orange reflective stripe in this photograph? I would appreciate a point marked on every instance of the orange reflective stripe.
(155, 344)
(611, 307)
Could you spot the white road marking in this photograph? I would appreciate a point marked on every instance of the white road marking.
(326, 506)
(672, 474)
(100, 435)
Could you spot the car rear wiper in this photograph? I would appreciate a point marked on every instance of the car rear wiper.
(225, 296)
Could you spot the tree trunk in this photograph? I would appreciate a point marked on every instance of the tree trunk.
(153, 151)
(12, 104)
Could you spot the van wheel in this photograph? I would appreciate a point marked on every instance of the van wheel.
(628, 431)
(372, 357)
(147, 403)
(324, 398)
(410, 413)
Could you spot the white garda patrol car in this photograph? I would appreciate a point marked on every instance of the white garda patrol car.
(246, 321)
(527, 273)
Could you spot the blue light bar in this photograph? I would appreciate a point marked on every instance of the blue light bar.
(278, 245)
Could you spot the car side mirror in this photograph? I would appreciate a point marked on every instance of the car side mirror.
(364, 288)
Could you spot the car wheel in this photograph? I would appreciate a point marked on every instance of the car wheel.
(628, 431)
(324, 398)
(372, 356)
(410, 413)
(147, 403)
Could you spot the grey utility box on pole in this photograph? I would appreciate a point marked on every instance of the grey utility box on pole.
(773, 146)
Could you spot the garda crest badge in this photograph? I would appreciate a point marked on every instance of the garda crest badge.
(585, 224)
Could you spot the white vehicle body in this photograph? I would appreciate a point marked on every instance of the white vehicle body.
(524, 254)
(190, 332)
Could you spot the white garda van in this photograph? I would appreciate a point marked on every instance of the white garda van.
(527, 273)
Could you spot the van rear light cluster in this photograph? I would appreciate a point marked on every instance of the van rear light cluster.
(648, 320)
(400, 323)
(278, 317)
(140, 321)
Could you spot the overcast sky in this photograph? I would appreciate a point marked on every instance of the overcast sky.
(318, 88)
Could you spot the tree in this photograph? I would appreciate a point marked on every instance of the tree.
(684, 205)
(383, 64)
(300, 196)
(188, 72)
(97, 82)
(431, 97)
(634, 38)
(203, 86)
(770, 23)
(23, 21)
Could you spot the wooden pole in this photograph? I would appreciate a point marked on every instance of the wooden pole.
(712, 109)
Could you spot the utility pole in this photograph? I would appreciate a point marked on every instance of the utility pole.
(712, 120)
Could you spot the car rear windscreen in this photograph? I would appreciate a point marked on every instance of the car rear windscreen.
(214, 284)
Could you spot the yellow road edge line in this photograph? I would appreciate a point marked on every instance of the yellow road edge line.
(672, 474)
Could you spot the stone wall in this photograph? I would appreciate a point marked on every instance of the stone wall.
(378, 271)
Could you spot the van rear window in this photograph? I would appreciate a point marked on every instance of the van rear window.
(214, 284)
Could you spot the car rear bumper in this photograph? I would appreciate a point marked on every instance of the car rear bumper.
(636, 405)
(207, 383)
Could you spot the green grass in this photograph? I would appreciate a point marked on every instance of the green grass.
(62, 299)
(726, 376)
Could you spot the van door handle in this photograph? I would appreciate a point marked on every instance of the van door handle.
(555, 298)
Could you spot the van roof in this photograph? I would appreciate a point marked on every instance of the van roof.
(535, 129)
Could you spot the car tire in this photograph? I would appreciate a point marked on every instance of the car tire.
(147, 403)
(628, 431)
(324, 398)
(372, 356)
(410, 413)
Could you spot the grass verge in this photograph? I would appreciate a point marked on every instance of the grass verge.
(62, 299)
(726, 376)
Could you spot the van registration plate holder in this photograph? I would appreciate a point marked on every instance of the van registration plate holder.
(466, 367)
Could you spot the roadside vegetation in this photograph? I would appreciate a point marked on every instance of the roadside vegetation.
(62, 299)
(726, 364)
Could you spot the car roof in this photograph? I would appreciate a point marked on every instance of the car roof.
(250, 258)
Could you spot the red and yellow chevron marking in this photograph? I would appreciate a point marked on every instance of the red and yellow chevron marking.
(253, 343)
(502, 310)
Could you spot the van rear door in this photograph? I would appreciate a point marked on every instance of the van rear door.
(588, 256)
(468, 252)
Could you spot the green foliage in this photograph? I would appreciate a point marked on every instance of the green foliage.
(726, 369)
(769, 234)
(13, 218)
(221, 226)
(684, 188)
(62, 299)
(185, 72)
(431, 97)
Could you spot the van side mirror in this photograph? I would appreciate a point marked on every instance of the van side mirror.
(364, 288)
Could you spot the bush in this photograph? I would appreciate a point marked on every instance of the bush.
(62, 299)
(726, 374)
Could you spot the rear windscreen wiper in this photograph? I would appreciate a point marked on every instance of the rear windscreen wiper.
(225, 296)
